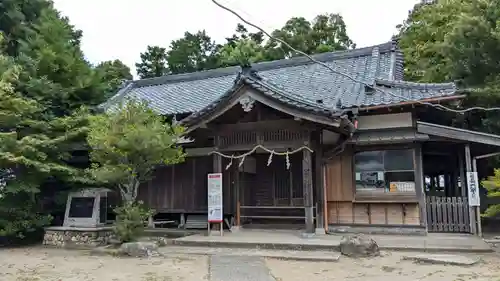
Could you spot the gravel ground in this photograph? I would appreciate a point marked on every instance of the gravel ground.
(388, 267)
(42, 264)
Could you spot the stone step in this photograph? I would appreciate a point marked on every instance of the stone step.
(316, 256)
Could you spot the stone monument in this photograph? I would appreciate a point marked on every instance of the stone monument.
(85, 221)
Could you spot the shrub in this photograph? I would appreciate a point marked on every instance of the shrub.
(492, 184)
(130, 221)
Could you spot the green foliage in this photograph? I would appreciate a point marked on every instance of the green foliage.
(197, 51)
(44, 82)
(153, 63)
(19, 150)
(325, 33)
(492, 184)
(130, 220)
(128, 143)
(243, 52)
(193, 52)
(55, 72)
(457, 40)
(16, 16)
(112, 74)
(452, 40)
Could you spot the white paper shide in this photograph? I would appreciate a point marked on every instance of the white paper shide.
(215, 197)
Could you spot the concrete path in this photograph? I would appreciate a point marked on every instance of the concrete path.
(238, 268)
(287, 240)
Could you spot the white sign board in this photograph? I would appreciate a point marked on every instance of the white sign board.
(473, 189)
(215, 197)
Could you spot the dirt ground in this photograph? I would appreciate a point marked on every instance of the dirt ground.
(388, 267)
(41, 264)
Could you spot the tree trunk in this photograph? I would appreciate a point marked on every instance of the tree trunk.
(129, 191)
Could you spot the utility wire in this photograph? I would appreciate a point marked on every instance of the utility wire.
(438, 106)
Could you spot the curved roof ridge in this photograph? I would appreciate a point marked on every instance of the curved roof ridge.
(262, 66)
(415, 85)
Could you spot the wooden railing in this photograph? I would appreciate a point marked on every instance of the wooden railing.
(448, 214)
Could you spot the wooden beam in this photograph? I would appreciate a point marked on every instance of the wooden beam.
(468, 168)
(308, 191)
(458, 134)
(420, 186)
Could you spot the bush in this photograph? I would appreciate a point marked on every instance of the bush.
(130, 221)
(492, 184)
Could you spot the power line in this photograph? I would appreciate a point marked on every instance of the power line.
(438, 106)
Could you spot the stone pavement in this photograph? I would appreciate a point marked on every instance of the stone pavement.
(238, 268)
(292, 240)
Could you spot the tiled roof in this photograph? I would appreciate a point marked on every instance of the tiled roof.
(298, 79)
(251, 79)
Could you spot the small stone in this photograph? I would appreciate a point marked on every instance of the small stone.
(140, 249)
(359, 246)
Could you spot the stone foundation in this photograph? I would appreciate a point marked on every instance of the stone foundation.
(375, 229)
(73, 237)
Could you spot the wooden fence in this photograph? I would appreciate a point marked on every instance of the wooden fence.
(448, 214)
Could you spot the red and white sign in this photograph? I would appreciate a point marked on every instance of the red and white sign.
(215, 197)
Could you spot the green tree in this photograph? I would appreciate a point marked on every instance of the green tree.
(153, 63)
(31, 151)
(113, 74)
(241, 33)
(193, 52)
(325, 33)
(457, 40)
(41, 116)
(16, 17)
(55, 71)
(242, 52)
(128, 143)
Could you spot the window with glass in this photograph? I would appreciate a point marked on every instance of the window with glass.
(385, 170)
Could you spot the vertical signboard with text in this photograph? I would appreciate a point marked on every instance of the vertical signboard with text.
(473, 189)
(215, 198)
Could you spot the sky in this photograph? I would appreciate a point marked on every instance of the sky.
(122, 29)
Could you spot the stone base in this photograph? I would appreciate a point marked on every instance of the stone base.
(320, 231)
(235, 228)
(376, 229)
(74, 237)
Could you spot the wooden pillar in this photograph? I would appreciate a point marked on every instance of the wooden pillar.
(468, 168)
(463, 180)
(237, 193)
(318, 184)
(420, 186)
(308, 191)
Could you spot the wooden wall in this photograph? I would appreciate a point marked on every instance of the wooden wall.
(344, 209)
(183, 187)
